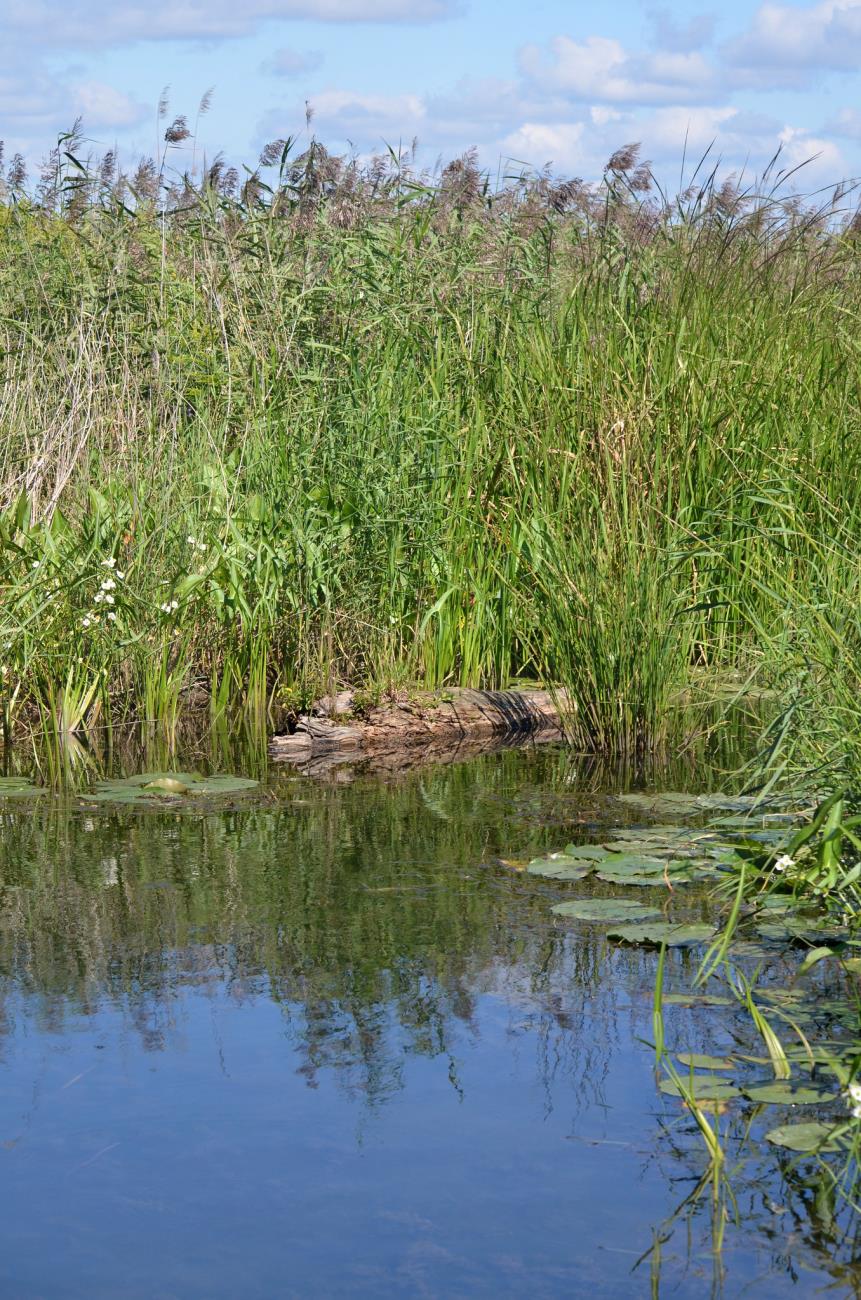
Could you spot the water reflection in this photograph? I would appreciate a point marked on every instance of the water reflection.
(329, 1034)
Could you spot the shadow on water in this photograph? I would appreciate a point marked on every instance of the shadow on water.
(324, 1043)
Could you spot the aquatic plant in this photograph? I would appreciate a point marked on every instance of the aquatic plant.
(347, 423)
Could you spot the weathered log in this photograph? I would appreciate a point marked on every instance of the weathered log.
(432, 720)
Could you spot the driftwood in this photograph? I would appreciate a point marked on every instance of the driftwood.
(431, 727)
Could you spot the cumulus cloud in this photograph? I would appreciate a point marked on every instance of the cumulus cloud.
(671, 35)
(293, 63)
(103, 106)
(539, 143)
(601, 70)
(846, 123)
(785, 44)
(89, 23)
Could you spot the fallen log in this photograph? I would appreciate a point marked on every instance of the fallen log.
(432, 721)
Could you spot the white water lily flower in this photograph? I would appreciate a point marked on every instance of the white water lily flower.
(783, 862)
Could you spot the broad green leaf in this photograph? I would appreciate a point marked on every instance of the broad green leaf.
(703, 1087)
(611, 910)
(655, 933)
(782, 1093)
(702, 1061)
(803, 1137)
(559, 866)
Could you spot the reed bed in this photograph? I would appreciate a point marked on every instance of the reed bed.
(337, 422)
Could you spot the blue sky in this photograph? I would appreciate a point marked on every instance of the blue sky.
(538, 82)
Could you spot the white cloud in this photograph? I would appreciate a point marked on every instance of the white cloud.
(96, 23)
(601, 70)
(671, 35)
(785, 43)
(846, 123)
(820, 160)
(559, 143)
(103, 106)
(293, 63)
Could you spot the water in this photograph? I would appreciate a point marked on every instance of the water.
(328, 1046)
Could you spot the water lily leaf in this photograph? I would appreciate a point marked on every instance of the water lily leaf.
(702, 1061)
(560, 866)
(655, 933)
(611, 910)
(585, 852)
(803, 1137)
(674, 877)
(696, 1000)
(632, 864)
(703, 1087)
(18, 787)
(784, 1094)
(155, 787)
(167, 785)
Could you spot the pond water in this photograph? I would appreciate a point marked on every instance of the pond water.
(323, 1043)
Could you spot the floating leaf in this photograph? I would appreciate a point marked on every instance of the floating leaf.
(702, 1087)
(784, 1094)
(167, 785)
(560, 866)
(655, 933)
(18, 787)
(585, 852)
(696, 1000)
(701, 1061)
(803, 1137)
(178, 787)
(612, 910)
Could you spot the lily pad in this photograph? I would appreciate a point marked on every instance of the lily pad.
(611, 910)
(623, 864)
(784, 1094)
(701, 1061)
(654, 933)
(703, 1087)
(560, 866)
(156, 788)
(696, 1000)
(585, 852)
(18, 787)
(803, 1137)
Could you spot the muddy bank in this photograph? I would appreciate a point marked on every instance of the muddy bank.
(431, 727)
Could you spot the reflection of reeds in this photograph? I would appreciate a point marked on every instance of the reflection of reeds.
(341, 421)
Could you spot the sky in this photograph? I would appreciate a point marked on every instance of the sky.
(530, 82)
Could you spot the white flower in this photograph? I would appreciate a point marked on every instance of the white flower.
(853, 1092)
(85, 622)
(783, 862)
(190, 541)
(35, 564)
(109, 564)
(109, 600)
(108, 584)
(120, 575)
(169, 606)
(99, 597)
(112, 616)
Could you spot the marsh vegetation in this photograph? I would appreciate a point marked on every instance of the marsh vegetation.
(331, 422)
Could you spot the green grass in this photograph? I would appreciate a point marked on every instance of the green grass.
(427, 437)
